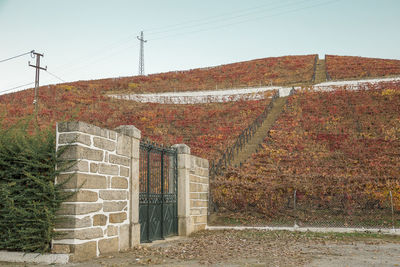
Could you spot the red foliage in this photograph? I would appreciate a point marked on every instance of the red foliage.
(278, 70)
(344, 67)
(326, 146)
(207, 128)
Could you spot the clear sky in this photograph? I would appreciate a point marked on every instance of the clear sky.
(92, 39)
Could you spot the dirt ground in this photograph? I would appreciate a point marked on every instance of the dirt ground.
(257, 248)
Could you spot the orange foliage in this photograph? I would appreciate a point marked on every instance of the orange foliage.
(344, 67)
(338, 150)
(207, 128)
(276, 70)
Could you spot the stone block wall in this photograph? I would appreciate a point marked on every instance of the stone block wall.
(100, 218)
(198, 192)
(103, 215)
(193, 183)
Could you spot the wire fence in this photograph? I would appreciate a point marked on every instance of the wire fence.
(217, 167)
(315, 68)
(377, 210)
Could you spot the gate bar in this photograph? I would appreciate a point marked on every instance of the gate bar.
(148, 195)
(162, 195)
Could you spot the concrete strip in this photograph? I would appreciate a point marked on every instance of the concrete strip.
(199, 97)
(309, 229)
(10, 256)
(356, 82)
(352, 84)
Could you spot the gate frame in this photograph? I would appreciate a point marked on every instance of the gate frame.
(103, 217)
(147, 148)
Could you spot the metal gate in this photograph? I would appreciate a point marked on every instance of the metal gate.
(158, 210)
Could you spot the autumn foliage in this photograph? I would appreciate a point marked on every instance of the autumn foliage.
(207, 128)
(339, 150)
(265, 71)
(344, 67)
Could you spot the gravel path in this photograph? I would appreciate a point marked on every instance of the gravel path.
(258, 248)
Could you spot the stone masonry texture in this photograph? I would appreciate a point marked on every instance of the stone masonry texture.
(95, 220)
(103, 216)
(199, 188)
(193, 188)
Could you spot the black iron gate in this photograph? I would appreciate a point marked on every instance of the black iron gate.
(158, 210)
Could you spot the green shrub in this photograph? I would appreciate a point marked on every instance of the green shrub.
(29, 199)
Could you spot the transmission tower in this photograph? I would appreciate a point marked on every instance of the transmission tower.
(141, 56)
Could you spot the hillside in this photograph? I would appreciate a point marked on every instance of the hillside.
(338, 151)
(258, 72)
(206, 128)
(333, 152)
(347, 67)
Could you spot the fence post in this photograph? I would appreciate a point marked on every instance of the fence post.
(391, 203)
(294, 209)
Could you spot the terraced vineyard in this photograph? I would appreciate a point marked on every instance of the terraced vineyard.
(346, 67)
(332, 158)
(330, 155)
(275, 70)
(207, 128)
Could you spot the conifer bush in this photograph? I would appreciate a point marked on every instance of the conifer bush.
(29, 198)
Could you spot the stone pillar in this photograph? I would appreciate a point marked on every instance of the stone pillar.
(134, 229)
(102, 217)
(184, 219)
(193, 182)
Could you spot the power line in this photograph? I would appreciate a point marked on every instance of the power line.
(243, 13)
(244, 21)
(55, 76)
(7, 59)
(89, 60)
(93, 60)
(152, 31)
(89, 57)
(16, 87)
(72, 67)
(10, 89)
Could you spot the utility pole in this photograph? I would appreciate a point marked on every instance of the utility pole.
(38, 68)
(141, 56)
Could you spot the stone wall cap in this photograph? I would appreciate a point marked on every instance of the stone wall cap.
(129, 130)
(204, 162)
(71, 126)
(79, 126)
(23, 257)
(182, 148)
